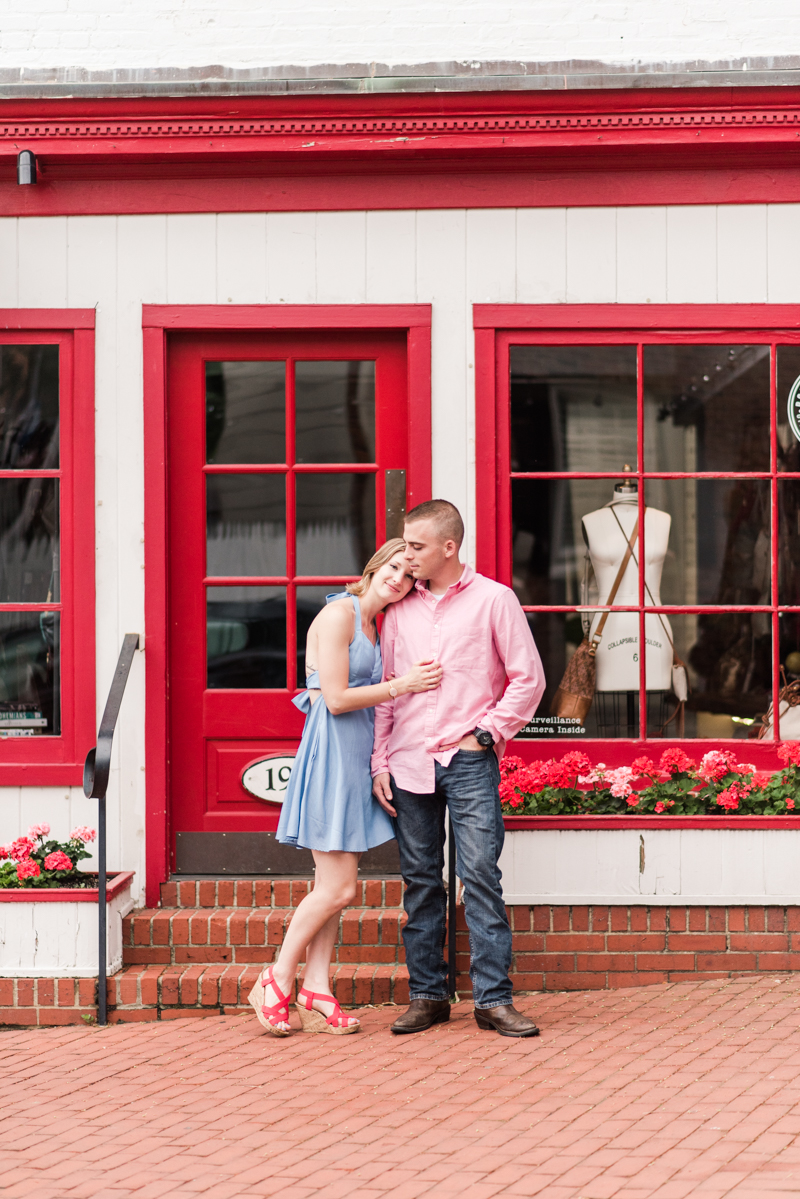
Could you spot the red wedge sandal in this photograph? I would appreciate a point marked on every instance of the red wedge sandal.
(278, 1013)
(314, 1021)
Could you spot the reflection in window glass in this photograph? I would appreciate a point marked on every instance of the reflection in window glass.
(335, 523)
(789, 542)
(29, 407)
(789, 625)
(29, 541)
(706, 408)
(245, 412)
(246, 637)
(245, 525)
(30, 689)
(310, 601)
(716, 547)
(554, 523)
(788, 425)
(335, 411)
(729, 661)
(573, 407)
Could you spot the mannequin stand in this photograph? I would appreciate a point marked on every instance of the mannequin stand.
(617, 712)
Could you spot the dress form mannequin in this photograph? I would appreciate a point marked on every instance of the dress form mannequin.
(618, 652)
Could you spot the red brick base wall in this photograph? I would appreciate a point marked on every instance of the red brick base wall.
(582, 948)
(201, 962)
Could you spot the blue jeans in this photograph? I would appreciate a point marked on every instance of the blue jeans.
(469, 788)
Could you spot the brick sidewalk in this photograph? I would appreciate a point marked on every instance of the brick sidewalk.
(665, 1091)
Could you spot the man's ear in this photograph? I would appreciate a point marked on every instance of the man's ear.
(450, 548)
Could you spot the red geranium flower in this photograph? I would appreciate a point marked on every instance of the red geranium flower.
(57, 861)
(675, 761)
(22, 848)
(28, 869)
(789, 753)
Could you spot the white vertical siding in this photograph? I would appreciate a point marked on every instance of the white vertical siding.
(448, 258)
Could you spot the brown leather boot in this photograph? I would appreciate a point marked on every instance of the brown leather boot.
(421, 1014)
(506, 1020)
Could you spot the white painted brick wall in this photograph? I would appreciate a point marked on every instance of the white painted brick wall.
(103, 34)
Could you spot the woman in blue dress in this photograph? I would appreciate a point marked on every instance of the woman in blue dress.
(329, 807)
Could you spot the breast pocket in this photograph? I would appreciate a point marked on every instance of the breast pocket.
(463, 648)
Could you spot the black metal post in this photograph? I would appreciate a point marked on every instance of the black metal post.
(451, 908)
(95, 785)
(102, 911)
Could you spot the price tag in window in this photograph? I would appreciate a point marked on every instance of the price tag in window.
(268, 778)
(794, 408)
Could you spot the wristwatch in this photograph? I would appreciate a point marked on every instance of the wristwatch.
(392, 689)
(483, 737)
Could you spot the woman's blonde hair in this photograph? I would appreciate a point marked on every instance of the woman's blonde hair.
(378, 559)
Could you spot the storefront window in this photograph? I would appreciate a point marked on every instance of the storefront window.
(678, 451)
(30, 645)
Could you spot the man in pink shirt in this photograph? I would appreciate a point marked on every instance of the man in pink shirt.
(440, 750)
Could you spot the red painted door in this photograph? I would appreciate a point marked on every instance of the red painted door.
(288, 465)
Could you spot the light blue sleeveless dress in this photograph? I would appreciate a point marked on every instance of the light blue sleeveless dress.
(329, 804)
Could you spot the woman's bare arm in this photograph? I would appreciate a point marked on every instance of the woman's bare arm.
(335, 629)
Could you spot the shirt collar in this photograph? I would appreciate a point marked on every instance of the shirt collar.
(467, 575)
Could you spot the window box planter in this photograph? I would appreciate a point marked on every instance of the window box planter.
(652, 860)
(52, 933)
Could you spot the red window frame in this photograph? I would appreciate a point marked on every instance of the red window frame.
(499, 326)
(54, 761)
(157, 322)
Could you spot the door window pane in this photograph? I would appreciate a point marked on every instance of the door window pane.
(789, 542)
(706, 408)
(567, 546)
(30, 691)
(788, 407)
(310, 601)
(29, 540)
(714, 541)
(246, 637)
(335, 411)
(246, 524)
(245, 412)
(28, 407)
(573, 408)
(335, 523)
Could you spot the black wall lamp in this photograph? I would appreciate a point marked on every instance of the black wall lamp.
(26, 167)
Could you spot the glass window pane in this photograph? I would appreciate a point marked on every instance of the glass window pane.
(246, 637)
(706, 408)
(713, 541)
(28, 407)
(29, 539)
(788, 408)
(729, 662)
(573, 407)
(310, 601)
(789, 542)
(567, 546)
(335, 411)
(30, 689)
(245, 412)
(245, 525)
(335, 523)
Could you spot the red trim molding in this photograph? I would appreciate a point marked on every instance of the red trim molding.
(611, 823)
(502, 149)
(116, 884)
(158, 322)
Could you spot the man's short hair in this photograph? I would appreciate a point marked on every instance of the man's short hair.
(445, 516)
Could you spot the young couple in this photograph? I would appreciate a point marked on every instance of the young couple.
(389, 744)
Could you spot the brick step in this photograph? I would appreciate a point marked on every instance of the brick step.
(183, 936)
(174, 992)
(269, 892)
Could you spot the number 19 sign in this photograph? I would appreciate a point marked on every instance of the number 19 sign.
(268, 778)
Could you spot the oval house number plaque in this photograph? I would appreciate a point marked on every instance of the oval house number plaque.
(268, 778)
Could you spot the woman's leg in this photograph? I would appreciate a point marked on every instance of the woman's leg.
(314, 925)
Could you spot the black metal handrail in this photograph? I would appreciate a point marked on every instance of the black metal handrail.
(95, 784)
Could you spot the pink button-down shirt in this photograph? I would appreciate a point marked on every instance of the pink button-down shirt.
(479, 633)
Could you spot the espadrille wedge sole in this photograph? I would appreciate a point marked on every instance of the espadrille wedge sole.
(337, 1024)
(277, 1012)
